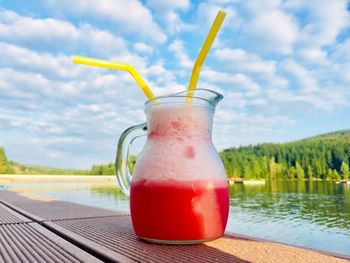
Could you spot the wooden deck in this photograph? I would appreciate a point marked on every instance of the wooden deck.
(36, 229)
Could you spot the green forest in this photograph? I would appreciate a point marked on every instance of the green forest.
(324, 157)
(321, 157)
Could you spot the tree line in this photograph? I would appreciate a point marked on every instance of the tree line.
(323, 157)
(5, 167)
(10, 167)
(109, 169)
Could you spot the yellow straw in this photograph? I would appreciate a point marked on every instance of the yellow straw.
(118, 66)
(204, 51)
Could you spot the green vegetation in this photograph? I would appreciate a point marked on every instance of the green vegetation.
(321, 157)
(102, 169)
(9, 167)
(324, 157)
(38, 169)
(5, 167)
(109, 169)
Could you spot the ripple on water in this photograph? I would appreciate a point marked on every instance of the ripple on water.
(298, 216)
(315, 215)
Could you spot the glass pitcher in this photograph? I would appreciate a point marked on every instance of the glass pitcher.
(178, 190)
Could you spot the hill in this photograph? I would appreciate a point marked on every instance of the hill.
(38, 169)
(10, 167)
(324, 156)
(331, 136)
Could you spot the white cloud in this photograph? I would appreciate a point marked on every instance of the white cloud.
(167, 12)
(160, 74)
(302, 76)
(100, 42)
(174, 22)
(232, 81)
(232, 100)
(263, 26)
(312, 55)
(77, 108)
(255, 7)
(47, 33)
(34, 106)
(272, 31)
(247, 128)
(244, 61)
(130, 16)
(60, 66)
(325, 20)
(179, 52)
(341, 52)
(328, 99)
(14, 26)
(74, 113)
(242, 80)
(143, 48)
(80, 135)
(340, 72)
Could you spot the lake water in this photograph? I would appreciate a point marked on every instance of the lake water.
(309, 214)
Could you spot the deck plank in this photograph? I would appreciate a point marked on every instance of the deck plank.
(43, 209)
(30, 242)
(8, 216)
(116, 234)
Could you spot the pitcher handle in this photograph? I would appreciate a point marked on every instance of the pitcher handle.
(122, 155)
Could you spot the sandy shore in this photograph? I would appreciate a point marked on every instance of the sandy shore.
(246, 182)
(8, 178)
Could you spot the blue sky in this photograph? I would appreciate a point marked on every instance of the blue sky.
(283, 67)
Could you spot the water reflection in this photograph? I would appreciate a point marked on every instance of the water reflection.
(323, 203)
(311, 214)
(98, 194)
(111, 192)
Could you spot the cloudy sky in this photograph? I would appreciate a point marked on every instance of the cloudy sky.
(283, 67)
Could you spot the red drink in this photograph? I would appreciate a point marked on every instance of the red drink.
(179, 191)
(174, 210)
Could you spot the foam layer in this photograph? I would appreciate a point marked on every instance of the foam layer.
(179, 146)
(181, 121)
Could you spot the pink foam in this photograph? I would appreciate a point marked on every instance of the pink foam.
(179, 145)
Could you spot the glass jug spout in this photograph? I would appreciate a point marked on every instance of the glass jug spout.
(206, 94)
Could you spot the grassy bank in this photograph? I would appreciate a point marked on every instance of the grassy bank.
(7, 178)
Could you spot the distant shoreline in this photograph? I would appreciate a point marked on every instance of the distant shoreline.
(8, 178)
(43, 177)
